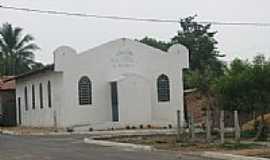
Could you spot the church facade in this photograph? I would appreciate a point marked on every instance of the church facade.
(119, 83)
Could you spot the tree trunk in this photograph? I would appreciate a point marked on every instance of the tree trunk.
(5, 66)
(208, 126)
(14, 66)
(261, 128)
(9, 66)
(254, 119)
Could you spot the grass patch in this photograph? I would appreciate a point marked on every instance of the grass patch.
(248, 134)
(236, 146)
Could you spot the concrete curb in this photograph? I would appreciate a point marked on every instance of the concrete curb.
(7, 132)
(127, 146)
(222, 156)
(100, 133)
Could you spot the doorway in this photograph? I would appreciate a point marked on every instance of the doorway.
(114, 97)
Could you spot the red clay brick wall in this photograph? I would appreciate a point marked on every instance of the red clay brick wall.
(195, 103)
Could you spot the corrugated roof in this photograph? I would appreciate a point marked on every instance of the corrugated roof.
(46, 68)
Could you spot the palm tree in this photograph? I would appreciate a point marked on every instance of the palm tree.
(16, 50)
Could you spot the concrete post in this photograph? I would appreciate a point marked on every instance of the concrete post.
(179, 127)
(222, 130)
(237, 129)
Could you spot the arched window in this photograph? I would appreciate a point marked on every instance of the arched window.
(25, 98)
(40, 95)
(33, 97)
(163, 86)
(85, 91)
(49, 90)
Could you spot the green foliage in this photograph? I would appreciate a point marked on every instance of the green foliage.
(162, 45)
(248, 134)
(191, 79)
(232, 87)
(200, 79)
(245, 86)
(201, 44)
(16, 51)
(204, 63)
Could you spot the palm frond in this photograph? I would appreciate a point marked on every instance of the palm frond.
(4, 48)
(29, 47)
(17, 34)
(16, 50)
(26, 39)
(7, 35)
(25, 55)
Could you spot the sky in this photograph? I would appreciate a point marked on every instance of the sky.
(52, 31)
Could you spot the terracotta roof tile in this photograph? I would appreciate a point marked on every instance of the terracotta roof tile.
(7, 85)
(46, 68)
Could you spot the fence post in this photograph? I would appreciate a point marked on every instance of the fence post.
(208, 126)
(191, 127)
(237, 129)
(222, 127)
(179, 127)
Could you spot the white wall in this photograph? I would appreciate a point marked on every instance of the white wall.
(134, 98)
(40, 117)
(140, 64)
(109, 61)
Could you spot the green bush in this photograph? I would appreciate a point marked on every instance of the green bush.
(248, 134)
(238, 146)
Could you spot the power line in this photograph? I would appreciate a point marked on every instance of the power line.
(88, 15)
(156, 20)
(237, 23)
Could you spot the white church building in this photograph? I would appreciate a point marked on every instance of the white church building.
(119, 83)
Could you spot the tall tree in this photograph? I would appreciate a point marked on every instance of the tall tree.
(205, 67)
(231, 87)
(16, 50)
(201, 44)
(203, 52)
